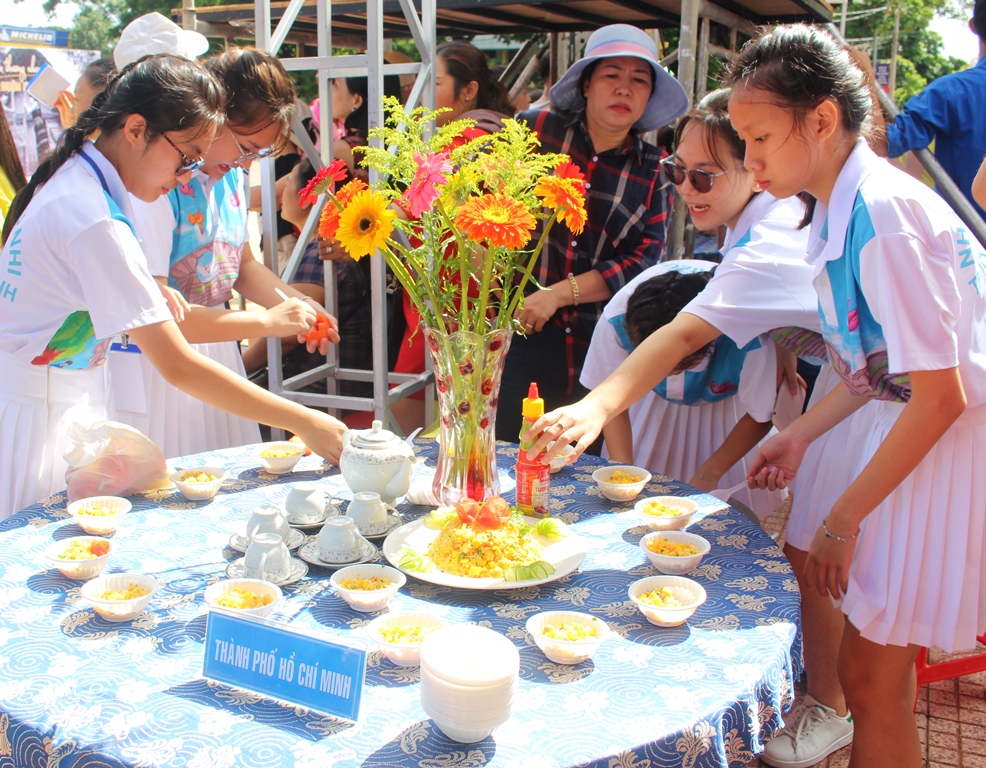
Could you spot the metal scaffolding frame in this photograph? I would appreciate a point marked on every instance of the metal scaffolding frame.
(388, 387)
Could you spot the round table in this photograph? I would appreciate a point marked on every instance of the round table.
(708, 693)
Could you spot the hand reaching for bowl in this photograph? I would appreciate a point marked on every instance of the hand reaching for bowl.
(579, 423)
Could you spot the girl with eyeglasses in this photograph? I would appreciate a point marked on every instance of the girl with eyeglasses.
(197, 245)
(74, 276)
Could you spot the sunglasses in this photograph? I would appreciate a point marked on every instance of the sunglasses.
(186, 164)
(250, 156)
(701, 180)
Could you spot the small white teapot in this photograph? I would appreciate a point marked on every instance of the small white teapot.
(378, 461)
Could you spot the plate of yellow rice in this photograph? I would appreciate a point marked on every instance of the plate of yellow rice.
(475, 557)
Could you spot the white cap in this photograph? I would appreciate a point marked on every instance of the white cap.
(153, 33)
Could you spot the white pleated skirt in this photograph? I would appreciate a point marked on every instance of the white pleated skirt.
(37, 403)
(675, 440)
(182, 425)
(920, 562)
(830, 464)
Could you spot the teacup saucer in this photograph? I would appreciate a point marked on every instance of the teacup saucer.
(239, 542)
(331, 510)
(298, 571)
(394, 521)
(309, 553)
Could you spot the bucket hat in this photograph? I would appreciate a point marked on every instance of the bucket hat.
(667, 102)
(153, 33)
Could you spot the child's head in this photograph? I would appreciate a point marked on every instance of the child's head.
(260, 105)
(707, 165)
(657, 301)
(291, 208)
(796, 98)
(94, 78)
(158, 115)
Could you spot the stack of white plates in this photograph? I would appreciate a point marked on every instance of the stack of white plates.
(469, 681)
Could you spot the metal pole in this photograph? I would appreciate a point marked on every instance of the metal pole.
(893, 53)
(842, 21)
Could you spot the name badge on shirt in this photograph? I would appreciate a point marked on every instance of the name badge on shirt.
(127, 378)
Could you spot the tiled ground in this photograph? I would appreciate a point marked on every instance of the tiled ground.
(951, 713)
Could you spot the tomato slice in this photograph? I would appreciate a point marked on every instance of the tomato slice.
(487, 518)
(99, 548)
(467, 510)
(499, 507)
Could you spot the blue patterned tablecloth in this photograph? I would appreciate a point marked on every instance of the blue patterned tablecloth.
(77, 692)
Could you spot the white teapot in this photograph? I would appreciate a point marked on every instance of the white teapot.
(378, 461)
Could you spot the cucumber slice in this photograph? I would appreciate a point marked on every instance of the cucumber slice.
(409, 560)
(551, 528)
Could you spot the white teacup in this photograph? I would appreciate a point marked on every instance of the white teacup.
(369, 512)
(306, 503)
(267, 519)
(267, 558)
(339, 541)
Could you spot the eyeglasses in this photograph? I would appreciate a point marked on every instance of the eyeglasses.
(186, 164)
(701, 180)
(249, 156)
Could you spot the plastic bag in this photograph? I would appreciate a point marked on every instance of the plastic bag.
(106, 458)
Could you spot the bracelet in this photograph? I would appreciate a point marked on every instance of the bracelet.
(839, 539)
(575, 289)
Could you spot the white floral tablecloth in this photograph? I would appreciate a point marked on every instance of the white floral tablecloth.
(78, 692)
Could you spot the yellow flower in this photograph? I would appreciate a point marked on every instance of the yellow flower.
(565, 196)
(365, 224)
(497, 220)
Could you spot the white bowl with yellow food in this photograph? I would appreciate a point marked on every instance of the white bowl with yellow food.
(621, 483)
(244, 597)
(99, 515)
(667, 601)
(280, 457)
(120, 596)
(567, 637)
(367, 588)
(665, 513)
(199, 483)
(399, 635)
(674, 552)
(81, 557)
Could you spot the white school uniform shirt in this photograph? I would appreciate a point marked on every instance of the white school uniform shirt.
(900, 281)
(73, 252)
(764, 282)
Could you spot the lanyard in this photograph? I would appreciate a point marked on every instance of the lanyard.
(99, 173)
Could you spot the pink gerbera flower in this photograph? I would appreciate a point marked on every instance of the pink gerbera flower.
(423, 190)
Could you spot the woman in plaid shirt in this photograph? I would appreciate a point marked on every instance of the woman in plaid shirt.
(600, 108)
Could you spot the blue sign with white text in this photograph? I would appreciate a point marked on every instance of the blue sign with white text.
(273, 660)
(32, 36)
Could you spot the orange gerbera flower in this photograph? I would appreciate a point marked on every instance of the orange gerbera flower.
(566, 169)
(565, 196)
(328, 222)
(497, 220)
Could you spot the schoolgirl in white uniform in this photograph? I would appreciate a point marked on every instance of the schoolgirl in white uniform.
(678, 425)
(196, 238)
(75, 276)
(901, 285)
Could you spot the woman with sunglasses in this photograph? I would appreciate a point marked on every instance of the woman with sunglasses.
(196, 242)
(75, 276)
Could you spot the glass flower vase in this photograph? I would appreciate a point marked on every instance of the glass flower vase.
(467, 369)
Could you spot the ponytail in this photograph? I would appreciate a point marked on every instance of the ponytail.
(171, 93)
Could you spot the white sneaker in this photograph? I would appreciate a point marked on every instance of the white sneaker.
(814, 731)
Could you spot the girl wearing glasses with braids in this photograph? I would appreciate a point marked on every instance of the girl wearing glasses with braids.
(196, 238)
(74, 276)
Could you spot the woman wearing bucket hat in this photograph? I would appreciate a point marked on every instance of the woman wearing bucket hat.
(599, 109)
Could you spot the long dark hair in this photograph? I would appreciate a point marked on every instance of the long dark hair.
(99, 73)
(171, 93)
(357, 122)
(657, 301)
(259, 91)
(465, 63)
(10, 161)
